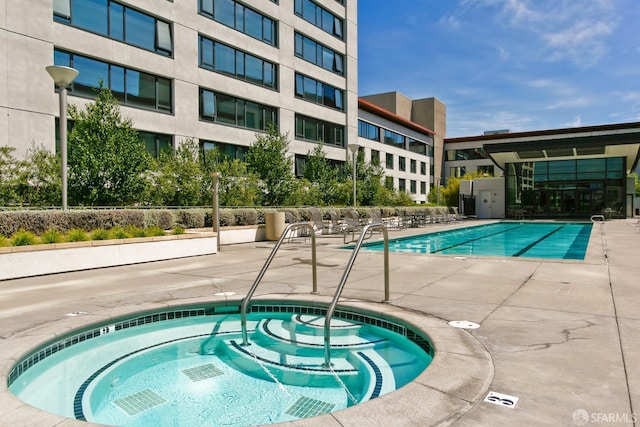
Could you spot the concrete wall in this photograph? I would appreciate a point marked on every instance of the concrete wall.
(490, 197)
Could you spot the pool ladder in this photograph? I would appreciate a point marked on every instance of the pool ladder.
(336, 297)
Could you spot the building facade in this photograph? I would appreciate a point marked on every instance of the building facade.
(403, 148)
(216, 71)
(559, 173)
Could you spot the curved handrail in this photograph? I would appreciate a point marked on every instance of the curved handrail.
(245, 301)
(336, 297)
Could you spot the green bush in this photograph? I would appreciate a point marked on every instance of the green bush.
(134, 231)
(99, 234)
(24, 237)
(118, 232)
(177, 230)
(227, 217)
(155, 231)
(190, 218)
(4, 241)
(52, 236)
(246, 216)
(76, 235)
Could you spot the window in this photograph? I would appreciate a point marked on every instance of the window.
(318, 54)
(226, 109)
(423, 187)
(369, 131)
(241, 18)
(402, 185)
(393, 138)
(311, 129)
(219, 57)
(388, 182)
(467, 154)
(389, 161)
(319, 16)
(486, 170)
(318, 92)
(375, 157)
(156, 142)
(118, 22)
(225, 151)
(417, 146)
(130, 87)
(413, 187)
(413, 168)
(423, 168)
(402, 163)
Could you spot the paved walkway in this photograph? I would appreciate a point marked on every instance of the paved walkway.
(559, 335)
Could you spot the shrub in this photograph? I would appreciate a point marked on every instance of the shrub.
(4, 241)
(76, 235)
(134, 231)
(227, 218)
(162, 218)
(178, 230)
(155, 231)
(190, 218)
(24, 237)
(51, 236)
(246, 216)
(99, 234)
(118, 233)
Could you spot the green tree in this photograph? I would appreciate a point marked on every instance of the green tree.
(368, 181)
(40, 180)
(107, 161)
(238, 186)
(320, 180)
(176, 177)
(9, 170)
(267, 157)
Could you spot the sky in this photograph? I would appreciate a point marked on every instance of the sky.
(520, 65)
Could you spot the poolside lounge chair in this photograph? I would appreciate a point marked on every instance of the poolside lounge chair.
(318, 221)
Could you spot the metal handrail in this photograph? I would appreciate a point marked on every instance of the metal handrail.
(336, 297)
(245, 301)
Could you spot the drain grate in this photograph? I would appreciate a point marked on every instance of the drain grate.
(308, 407)
(139, 402)
(202, 372)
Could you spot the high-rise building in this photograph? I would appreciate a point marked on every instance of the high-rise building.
(217, 71)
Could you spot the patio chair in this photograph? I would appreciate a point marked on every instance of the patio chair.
(318, 221)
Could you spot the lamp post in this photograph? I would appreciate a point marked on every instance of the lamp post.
(354, 152)
(216, 207)
(437, 191)
(63, 76)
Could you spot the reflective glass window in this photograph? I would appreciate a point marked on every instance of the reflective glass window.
(224, 12)
(116, 21)
(90, 15)
(226, 109)
(140, 29)
(91, 73)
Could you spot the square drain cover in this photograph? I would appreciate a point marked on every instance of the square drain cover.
(139, 402)
(501, 399)
(308, 407)
(202, 372)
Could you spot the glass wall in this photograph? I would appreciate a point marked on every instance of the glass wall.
(566, 188)
(117, 21)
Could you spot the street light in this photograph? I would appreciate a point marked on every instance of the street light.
(216, 207)
(354, 151)
(63, 76)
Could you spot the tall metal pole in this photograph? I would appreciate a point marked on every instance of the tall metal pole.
(354, 150)
(355, 200)
(63, 143)
(216, 207)
(63, 77)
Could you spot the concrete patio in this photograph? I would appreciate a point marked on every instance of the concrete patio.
(559, 335)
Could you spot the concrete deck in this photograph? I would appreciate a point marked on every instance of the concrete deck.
(559, 335)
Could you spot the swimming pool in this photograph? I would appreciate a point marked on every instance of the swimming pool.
(187, 367)
(557, 240)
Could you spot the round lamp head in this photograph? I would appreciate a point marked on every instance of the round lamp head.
(62, 76)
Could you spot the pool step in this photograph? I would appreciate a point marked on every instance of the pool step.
(314, 325)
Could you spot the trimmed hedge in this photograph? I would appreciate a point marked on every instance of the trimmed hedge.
(89, 220)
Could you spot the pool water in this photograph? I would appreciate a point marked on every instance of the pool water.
(557, 240)
(193, 371)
